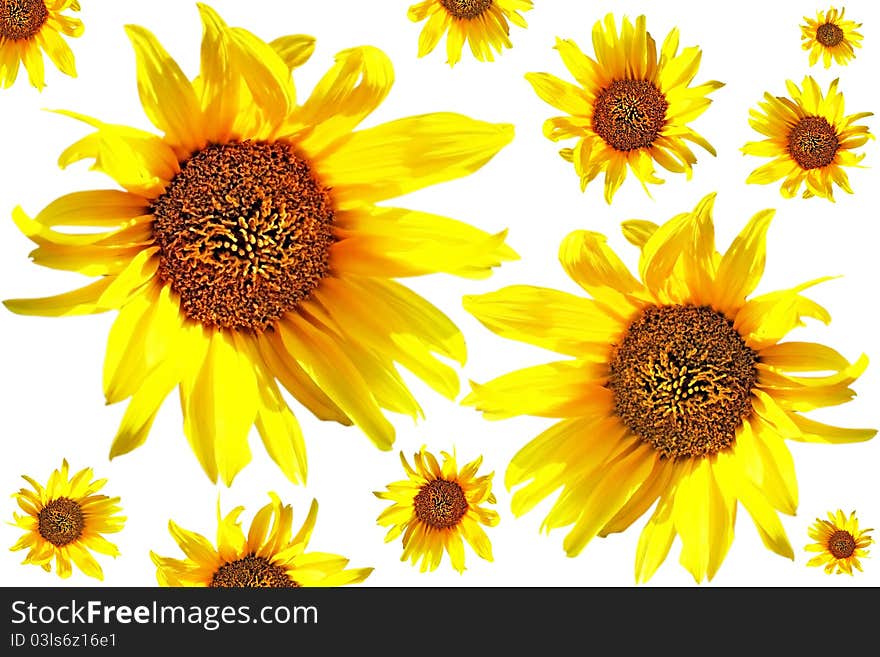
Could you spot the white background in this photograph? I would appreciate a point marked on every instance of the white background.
(52, 404)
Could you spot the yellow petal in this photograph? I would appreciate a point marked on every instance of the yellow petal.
(558, 390)
(167, 95)
(620, 479)
(329, 366)
(742, 265)
(655, 540)
(589, 261)
(281, 433)
(408, 154)
(547, 318)
(356, 85)
(294, 49)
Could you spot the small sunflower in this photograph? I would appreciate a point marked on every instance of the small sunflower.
(247, 250)
(29, 26)
(809, 138)
(630, 108)
(484, 24)
(66, 520)
(268, 557)
(830, 36)
(840, 543)
(437, 506)
(678, 391)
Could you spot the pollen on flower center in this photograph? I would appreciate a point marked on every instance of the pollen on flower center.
(813, 142)
(244, 232)
(22, 19)
(629, 114)
(829, 35)
(61, 521)
(841, 544)
(682, 379)
(440, 504)
(252, 572)
(466, 9)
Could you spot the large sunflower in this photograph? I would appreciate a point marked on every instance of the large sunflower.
(679, 391)
(630, 108)
(66, 520)
(436, 506)
(29, 27)
(839, 542)
(247, 249)
(830, 36)
(483, 24)
(809, 138)
(269, 556)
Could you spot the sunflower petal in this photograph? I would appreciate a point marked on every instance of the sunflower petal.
(408, 154)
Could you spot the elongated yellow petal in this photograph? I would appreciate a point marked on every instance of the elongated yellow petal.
(547, 318)
(139, 161)
(281, 433)
(742, 265)
(225, 402)
(395, 242)
(812, 431)
(266, 76)
(611, 492)
(297, 382)
(770, 529)
(219, 83)
(356, 85)
(655, 540)
(560, 389)
(167, 95)
(333, 371)
(596, 268)
(408, 154)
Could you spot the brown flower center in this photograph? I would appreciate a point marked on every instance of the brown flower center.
(440, 504)
(21, 19)
(813, 143)
(61, 521)
(829, 35)
(629, 114)
(252, 572)
(466, 9)
(841, 544)
(244, 232)
(682, 379)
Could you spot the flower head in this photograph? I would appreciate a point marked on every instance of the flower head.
(829, 36)
(436, 506)
(839, 542)
(630, 107)
(269, 556)
(483, 24)
(810, 139)
(66, 521)
(678, 393)
(28, 27)
(247, 251)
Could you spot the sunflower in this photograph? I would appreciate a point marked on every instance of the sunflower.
(247, 250)
(679, 390)
(830, 36)
(629, 107)
(809, 138)
(66, 520)
(436, 506)
(839, 542)
(29, 26)
(484, 24)
(267, 557)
